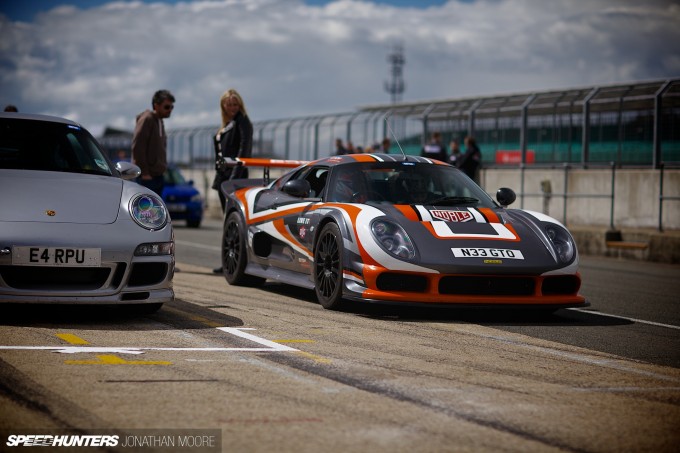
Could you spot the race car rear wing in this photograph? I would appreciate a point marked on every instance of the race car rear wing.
(266, 164)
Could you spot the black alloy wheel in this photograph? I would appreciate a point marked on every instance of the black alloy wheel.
(328, 267)
(234, 253)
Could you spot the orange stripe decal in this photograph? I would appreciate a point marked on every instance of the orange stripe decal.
(408, 211)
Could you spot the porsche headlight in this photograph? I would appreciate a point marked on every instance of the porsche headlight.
(393, 239)
(562, 243)
(148, 211)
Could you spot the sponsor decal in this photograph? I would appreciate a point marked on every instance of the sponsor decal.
(478, 252)
(302, 232)
(493, 261)
(452, 216)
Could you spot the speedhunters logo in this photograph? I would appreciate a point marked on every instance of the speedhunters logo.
(114, 440)
(47, 440)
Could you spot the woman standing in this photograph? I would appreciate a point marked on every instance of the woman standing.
(471, 161)
(234, 139)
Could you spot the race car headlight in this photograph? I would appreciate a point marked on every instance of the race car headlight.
(148, 211)
(562, 243)
(393, 239)
(155, 249)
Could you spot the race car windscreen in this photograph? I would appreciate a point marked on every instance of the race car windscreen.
(405, 183)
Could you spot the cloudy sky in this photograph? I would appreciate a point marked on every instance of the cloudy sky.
(99, 62)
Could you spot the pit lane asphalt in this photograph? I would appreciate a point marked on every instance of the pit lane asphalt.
(634, 312)
(305, 379)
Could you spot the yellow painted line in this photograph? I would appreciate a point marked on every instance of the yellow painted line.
(314, 357)
(115, 360)
(294, 341)
(71, 339)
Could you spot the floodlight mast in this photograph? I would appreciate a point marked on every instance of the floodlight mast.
(396, 86)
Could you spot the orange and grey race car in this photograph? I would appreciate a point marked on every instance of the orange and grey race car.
(395, 229)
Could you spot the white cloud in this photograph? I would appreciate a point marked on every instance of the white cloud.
(101, 65)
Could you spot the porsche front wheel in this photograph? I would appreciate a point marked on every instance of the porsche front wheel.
(234, 253)
(328, 267)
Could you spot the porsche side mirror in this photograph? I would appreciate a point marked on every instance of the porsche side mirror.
(128, 170)
(505, 196)
(297, 188)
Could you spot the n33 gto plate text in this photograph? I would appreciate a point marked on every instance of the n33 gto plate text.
(478, 252)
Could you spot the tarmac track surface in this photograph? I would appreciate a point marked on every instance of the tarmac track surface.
(273, 371)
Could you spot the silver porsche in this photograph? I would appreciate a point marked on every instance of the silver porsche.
(75, 228)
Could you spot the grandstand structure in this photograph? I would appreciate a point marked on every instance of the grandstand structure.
(630, 124)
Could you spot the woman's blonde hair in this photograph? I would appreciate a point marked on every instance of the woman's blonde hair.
(226, 95)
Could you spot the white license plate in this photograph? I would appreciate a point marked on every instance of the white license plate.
(176, 207)
(56, 256)
(487, 253)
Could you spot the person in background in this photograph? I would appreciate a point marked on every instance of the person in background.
(471, 161)
(455, 152)
(11, 108)
(434, 149)
(340, 149)
(384, 146)
(149, 141)
(234, 139)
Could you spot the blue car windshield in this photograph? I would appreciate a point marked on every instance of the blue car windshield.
(51, 146)
(405, 183)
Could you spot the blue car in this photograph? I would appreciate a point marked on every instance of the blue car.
(183, 200)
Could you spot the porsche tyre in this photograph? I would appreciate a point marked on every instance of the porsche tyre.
(234, 253)
(328, 259)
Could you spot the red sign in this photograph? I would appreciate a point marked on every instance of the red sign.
(514, 156)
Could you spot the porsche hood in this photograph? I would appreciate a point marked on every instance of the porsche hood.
(62, 197)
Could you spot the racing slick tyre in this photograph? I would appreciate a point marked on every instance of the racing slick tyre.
(234, 253)
(328, 267)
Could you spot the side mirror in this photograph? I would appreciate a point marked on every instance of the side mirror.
(297, 188)
(128, 170)
(505, 196)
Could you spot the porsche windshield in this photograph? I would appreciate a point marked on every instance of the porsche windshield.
(43, 145)
(405, 183)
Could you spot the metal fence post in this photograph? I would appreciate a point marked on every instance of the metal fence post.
(611, 211)
(658, 98)
(661, 197)
(565, 196)
(585, 133)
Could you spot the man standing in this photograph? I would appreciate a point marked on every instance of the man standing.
(435, 149)
(149, 142)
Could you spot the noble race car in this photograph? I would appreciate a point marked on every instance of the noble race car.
(395, 229)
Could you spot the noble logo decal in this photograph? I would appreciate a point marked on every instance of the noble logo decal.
(452, 216)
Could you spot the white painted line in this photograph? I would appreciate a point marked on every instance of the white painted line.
(270, 346)
(197, 245)
(641, 321)
(240, 333)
